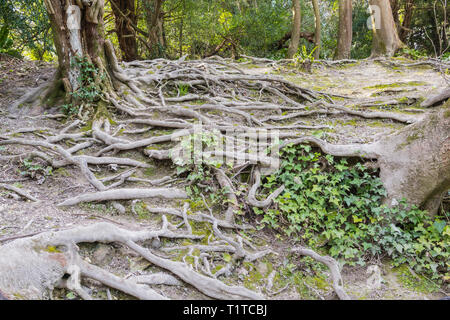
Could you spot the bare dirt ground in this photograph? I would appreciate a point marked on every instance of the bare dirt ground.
(364, 81)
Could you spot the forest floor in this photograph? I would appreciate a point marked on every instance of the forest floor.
(365, 81)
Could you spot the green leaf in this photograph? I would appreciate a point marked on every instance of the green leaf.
(227, 257)
(439, 226)
(70, 295)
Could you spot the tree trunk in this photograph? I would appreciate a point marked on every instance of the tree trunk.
(180, 50)
(415, 162)
(385, 41)
(81, 47)
(395, 6)
(317, 34)
(296, 25)
(404, 28)
(124, 30)
(155, 27)
(344, 45)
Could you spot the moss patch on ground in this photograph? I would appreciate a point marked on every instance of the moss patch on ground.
(398, 85)
(413, 281)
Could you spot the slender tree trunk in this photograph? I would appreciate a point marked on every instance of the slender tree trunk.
(344, 44)
(386, 41)
(395, 6)
(181, 30)
(317, 34)
(125, 32)
(296, 26)
(404, 29)
(155, 27)
(181, 39)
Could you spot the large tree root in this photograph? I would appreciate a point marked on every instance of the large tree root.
(29, 267)
(437, 98)
(126, 194)
(175, 95)
(252, 193)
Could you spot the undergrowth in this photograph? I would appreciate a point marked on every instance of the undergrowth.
(334, 205)
(89, 90)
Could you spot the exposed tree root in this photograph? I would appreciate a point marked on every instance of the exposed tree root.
(201, 217)
(126, 194)
(332, 264)
(211, 287)
(31, 266)
(435, 99)
(252, 193)
(173, 97)
(18, 191)
(435, 63)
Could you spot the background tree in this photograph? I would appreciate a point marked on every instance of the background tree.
(385, 37)
(407, 12)
(125, 18)
(296, 26)
(318, 29)
(155, 26)
(344, 44)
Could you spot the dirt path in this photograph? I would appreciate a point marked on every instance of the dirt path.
(364, 81)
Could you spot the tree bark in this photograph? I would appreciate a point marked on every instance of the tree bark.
(415, 162)
(344, 45)
(404, 28)
(78, 33)
(296, 26)
(124, 30)
(317, 34)
(155, 27)
(395, 6)
(385, 41)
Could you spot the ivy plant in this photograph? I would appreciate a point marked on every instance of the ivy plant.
(335, 204)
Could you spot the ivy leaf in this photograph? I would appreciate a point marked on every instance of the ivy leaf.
(70, 296)
(439, 226)
(226, 257)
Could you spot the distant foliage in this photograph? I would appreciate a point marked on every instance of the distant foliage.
(362, 35)
(29, 27)
(6, 43)
(251, 28)
(201, 28)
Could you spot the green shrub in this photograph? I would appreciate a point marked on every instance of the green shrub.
(6, 43)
